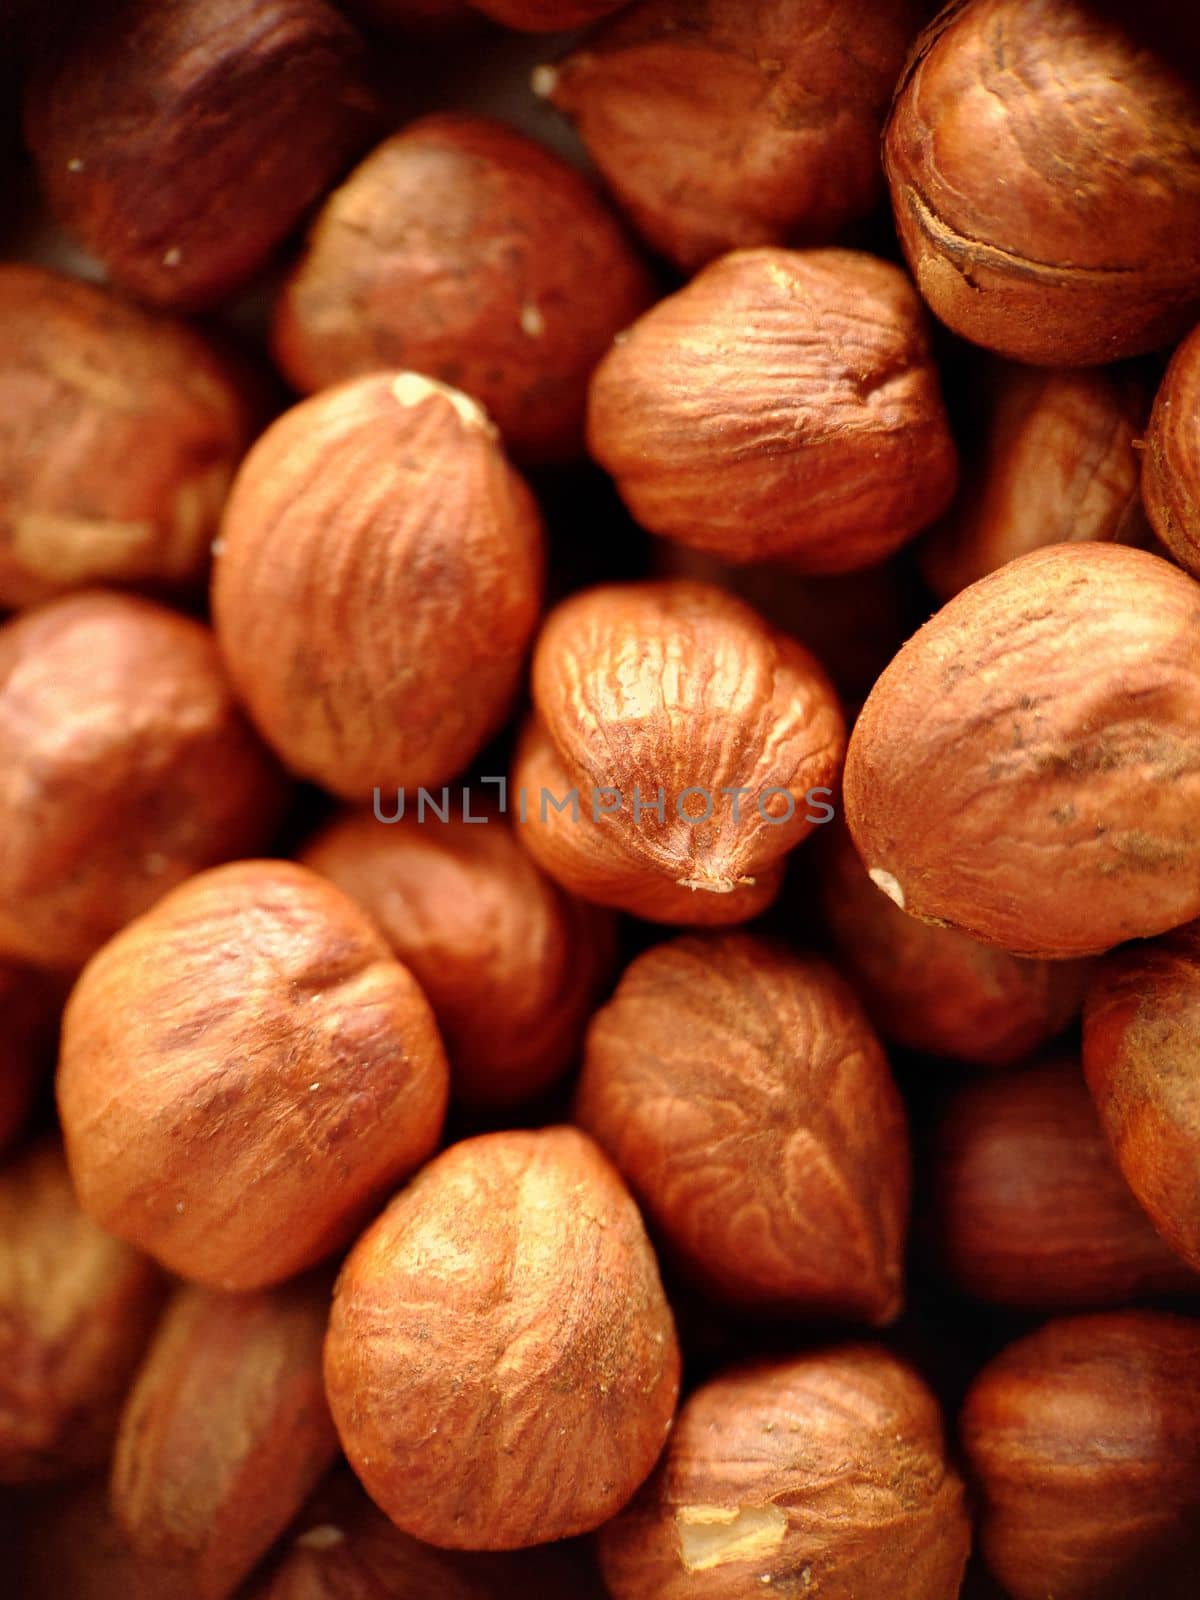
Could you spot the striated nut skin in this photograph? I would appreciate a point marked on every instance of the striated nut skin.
(181, 142)
(225, 1432)
(932, 989)
(509, 1293)
(512, 966)
(824, 1474)
(744, 1098)
(545, 16)
(1141, 1054)
(86, 380)
(739, 122)
(1084, 1440)
(1171, 465)
(76, 1310)
(126, 765)
(674, 686)
(785, 404)
(1043, 175)
(1028, 1208)
(1058, 463)
(245, 1073)
(1027, 770)
(378, 581)
(510, 284)
(30, 1006)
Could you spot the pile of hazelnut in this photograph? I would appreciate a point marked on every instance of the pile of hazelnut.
(600, 799)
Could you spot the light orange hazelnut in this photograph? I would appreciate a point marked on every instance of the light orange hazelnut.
(1171, 467)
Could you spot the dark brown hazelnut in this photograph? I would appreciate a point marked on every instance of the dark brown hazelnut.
(1171, 466)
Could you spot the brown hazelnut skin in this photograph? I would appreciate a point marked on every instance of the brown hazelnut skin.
(88, 379)
(746, 1101)
(545, 16)
(180, 143)
(826, 1473)
(129, 766)
(245, 1073)
(1171, 465)
(1141, 1046)
(30, 1006)
(509, 1293)
(76, 1310)
(225, 1432)
(377, 583)
(738, 123)
(511, 965)
(511, 287)
(1043, 180)
(673, 686)
(1084, 1441)
(784, 404)
(1028, 1209)
(1027, 770)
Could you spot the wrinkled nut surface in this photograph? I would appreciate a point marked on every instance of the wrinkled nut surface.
(1042, 167)
(1027, 770)
(76, 1310)
(225, 1432)
(1084, 1441)
(674, 688)
(740, 122)
(465, 251)
(378, 581)
(748, 1105)
(784, 404)
(245, 1073)
(86, 380)
(501, 1361)
(1171, 466)
(127, 766)
(825, 1474)
(511, 964)
(180, 143)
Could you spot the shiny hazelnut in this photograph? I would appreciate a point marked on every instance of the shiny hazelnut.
(1027, 770)
(745, 1100)
(825, 1474)
(126, 764)
(784, 404)
(501, 1360)
(1084, 1440)
(1171, 469)
(30, 1005)
(545, 16)
(510, 284)
(377, 584)
(245, 1073)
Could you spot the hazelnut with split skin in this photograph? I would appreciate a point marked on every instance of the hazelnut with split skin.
(1171, 465)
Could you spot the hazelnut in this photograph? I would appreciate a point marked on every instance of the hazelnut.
(784, 404)
(245, 1073)
(1084, 1439)
(545, 16)
(180, 143)
(511, 965)
(673, 694)
(1028, 768)
(501, 1360)
(511, 286)
(378, 581)
(740, 122)
(1141, 1053)
(126, 764)
(1171, 470)
(824, 1474)
(745, 1100)
(76, 1310)
(225, 1432)
(73, 1547)
(1043, 175)
(932, 989)
(30, 1004)
(86, 380)
(1028, 1208)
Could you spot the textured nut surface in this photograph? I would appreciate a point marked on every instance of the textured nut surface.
(463, 250)
(784, 403)
(501, 1360)
(1171, 469)
(378, 582)
(826, 1475)
(746, 1101)
(1028, 768)
(245, 1073)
